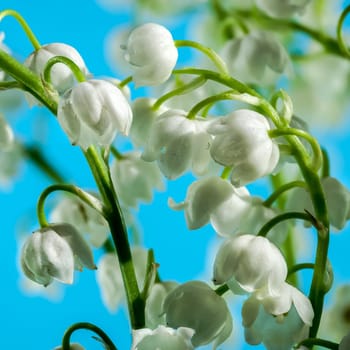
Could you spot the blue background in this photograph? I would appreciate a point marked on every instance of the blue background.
(33, 322)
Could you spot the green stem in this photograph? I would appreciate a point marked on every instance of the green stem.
(222, 289)
(7, 85)
(91, 327)
(210, 53)
(88, 199)
(114, 217)
(342, 45)
(125, 82)
(316, 341)
(297, 267)
(34, 41)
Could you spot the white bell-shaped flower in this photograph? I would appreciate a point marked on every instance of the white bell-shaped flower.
(54, 252)
(110, 280)
(196, 305)
(242, 142)
(252, 261)
(179, 144)
(337, 198)
(72, 210)
(279, 322)
(285, 8)
(62, 78)
(6, 134)
(162, 338)
(151, 53)
(92, 112)
(257, 57)
(224, 209)
(134, 179)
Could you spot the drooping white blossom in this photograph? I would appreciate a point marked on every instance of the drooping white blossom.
(135, 179)
(92, 112)
(242, 142)
(53, 252)
(62, 78)
(151, 53)
(257, 57)
(284, 8)
(162, 338)
(179, 144)
(251, 261)
(196, 305)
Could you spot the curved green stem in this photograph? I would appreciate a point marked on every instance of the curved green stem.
(283, 217)
(7, 85)
(297, 267)
(29, 33)
(124, 82)
(66, 61)
(316, 341)
(88, 326)
(342, 45)
(210, 53)
(280, 190)
(88, 199)
(325, 164)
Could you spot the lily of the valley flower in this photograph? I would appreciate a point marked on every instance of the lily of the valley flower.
(196, 305)
(252, 261)
(285, 8)
(162, 338)
(151, 53)
(242, 142)
(135, 179)
(92, 112)
(62, 78)
(54, 252)
(178, 144)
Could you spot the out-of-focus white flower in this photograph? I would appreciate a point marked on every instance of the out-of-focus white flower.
(179, 144)
(285, 8)
(6, 134)
(143, 120)
(151, 53)
(162, 338)
(251, 261)
(345, 343)
(10, 160)
(54, 252)
(256, 58)
(242, 142)
(72, 210)
(280, 322)
(72, 346)
(134, 179)
(92, 112)
(62, 78)
(110, 280)
(197, 306)
(337, 198)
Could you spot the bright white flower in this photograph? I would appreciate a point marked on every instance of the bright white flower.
(337, 197)
(345, 343)
(197, 306)
(242, 142)
(256, 58)
(92, 112)
(284, 8)
(224, 209)
(62, 78)
(134, 179)
(143, 120)
(162, 338)
(72, 210)
(54, 252)
(6, 134)
(110, 280)
(179, 144)
(72, 346)
(279, 322)
(152, 54)
(252, 261)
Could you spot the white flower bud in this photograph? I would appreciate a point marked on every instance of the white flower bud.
(252, 261)
(197, 306)
(62, 78)
(242, 142)
(54, 252)
(92, 112)
(162, 338)
(285, 8)
(179, 144)
(152, 54)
